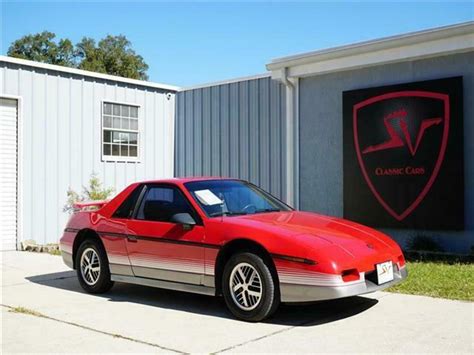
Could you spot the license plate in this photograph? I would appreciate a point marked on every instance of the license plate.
(384, 272)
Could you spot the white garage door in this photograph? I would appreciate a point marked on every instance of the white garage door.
(8, 173)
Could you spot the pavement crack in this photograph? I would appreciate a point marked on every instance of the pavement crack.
(33, 313)
(257, 339)
(284, 330)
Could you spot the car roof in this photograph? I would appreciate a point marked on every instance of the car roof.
(182, 180)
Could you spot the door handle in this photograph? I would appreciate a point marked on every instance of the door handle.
(132, 238)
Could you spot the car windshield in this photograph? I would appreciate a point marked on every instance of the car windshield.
(232, 198)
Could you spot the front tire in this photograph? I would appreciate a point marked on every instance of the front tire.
(249, 289)
(92, 267)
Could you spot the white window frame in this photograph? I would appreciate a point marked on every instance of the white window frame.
(114, 158)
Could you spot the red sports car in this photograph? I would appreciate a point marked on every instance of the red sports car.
(226, 237)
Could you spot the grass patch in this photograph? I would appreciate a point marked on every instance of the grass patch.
(438, 279)
(55, 252)
(24, 310)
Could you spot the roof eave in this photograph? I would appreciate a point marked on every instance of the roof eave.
(87, 73)
(465, 30)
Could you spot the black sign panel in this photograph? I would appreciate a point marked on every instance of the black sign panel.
(403, 155)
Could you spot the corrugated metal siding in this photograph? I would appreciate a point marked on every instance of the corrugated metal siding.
(61, 121)
(233, 130)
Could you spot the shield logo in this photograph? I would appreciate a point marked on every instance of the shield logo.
(400, 139)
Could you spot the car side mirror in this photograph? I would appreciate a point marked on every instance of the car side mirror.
(185, 219)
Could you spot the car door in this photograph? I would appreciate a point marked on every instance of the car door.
(159, 248)
(113, 230)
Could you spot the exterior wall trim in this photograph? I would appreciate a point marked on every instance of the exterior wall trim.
(86, 73)
(128, 103)
(422, 44)
(19, 162)
(228, 81)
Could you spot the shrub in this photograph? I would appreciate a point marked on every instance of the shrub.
(93, 192)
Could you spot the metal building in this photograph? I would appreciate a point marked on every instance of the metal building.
(310, 114)
(283, 130)
(58, 126)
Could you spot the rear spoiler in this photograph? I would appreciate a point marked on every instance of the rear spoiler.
(89, 205)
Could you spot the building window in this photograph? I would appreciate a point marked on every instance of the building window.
(120, 134)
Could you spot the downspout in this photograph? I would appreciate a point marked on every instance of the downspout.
(290, 137)
(285, 80)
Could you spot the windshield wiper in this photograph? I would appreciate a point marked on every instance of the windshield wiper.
(267, 210)
(227, 213)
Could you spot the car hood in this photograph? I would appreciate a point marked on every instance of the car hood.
(321, 231)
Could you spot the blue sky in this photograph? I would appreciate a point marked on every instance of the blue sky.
(191, 43)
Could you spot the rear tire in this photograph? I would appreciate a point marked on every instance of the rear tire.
(92, 267)
(249, 289)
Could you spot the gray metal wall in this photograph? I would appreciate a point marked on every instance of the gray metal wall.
(233, 130)
(320, 136)
(61, 123)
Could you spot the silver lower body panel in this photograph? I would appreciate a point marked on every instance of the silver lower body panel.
(293, 293)
(169, 285)
(167, 275)
(121, 269)
(67, 258)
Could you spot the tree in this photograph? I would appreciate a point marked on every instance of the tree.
(112, 55)
(91, 57)
(41, 47)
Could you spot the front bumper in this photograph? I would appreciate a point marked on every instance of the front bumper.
(303, 293)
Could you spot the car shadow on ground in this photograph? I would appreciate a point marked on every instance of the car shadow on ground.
(292, 315)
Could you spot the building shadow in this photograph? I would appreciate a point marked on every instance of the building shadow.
(312, 314)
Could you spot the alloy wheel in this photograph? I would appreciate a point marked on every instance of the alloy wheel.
(245, 286)
(90, 266)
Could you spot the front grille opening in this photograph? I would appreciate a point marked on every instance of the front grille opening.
(350, 275)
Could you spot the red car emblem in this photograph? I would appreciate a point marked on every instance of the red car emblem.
(400, 139)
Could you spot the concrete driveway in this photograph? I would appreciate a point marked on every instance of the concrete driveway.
(139, 319)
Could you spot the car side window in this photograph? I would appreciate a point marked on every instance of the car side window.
(160, 203)
(125, 210)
